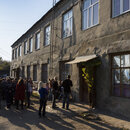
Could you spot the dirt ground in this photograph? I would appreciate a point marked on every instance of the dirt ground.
(55, 119)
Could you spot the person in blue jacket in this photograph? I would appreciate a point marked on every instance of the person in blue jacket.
(43, 100)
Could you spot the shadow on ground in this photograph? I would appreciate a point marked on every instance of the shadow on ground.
(59, 119)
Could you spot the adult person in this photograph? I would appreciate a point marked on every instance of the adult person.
(50, 89)
(43, 99)
(28, 92)
(20, 93)
(67, 84)
(40, 84)
(9, 93)
(0, 92)
(54, 92)
(14, 83)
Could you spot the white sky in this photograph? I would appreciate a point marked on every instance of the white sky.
(16, 17)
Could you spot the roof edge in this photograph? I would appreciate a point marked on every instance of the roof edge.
(49, 11)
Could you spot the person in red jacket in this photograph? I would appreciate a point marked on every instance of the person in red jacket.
(20, 93)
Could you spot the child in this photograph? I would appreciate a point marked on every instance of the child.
(43, 99)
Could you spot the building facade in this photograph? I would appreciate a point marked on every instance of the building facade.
(80, 29)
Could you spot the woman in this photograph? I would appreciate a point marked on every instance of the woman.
(20, 93)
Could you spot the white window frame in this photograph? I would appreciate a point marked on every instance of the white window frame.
(47, 35)
(65, 21)
(30, 44)
(25, 48)
(92, 19)
(121, 8)
(37, 42)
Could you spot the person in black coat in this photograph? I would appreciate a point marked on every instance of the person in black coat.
(54, 92)
(67, 84)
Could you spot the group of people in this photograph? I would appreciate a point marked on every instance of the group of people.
(13, 91)
(61, 90)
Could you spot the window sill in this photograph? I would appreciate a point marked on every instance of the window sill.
(29, 52)
(37, 49)
(91, 27)
(67, 37)
(120, 97)
(46, 45)
(124, 13)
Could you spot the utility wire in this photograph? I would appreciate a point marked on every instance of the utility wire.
(5, 51)
(4, 55)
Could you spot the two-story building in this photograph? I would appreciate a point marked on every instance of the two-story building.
(75, 32)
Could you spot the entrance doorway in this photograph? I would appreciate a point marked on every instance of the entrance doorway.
(87, 94)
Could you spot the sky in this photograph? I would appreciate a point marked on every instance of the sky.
(16, 17)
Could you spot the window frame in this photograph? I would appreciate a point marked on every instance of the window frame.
(16, 53)
(37, 44)
(92, 14)
(65, 36)
(31, 45)
(20, 51)
(45, 40)
(13, 54)
(121, 9)
(121, 85)
(35, 71)
(25, 48)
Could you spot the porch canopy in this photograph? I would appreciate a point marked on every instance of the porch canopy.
(82, 59)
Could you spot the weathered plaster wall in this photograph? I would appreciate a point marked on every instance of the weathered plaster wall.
(111, 35)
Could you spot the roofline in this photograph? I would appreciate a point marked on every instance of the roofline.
(49, 11)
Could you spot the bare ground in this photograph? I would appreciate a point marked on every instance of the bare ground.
(58, 119)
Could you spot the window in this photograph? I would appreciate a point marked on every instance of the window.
(13, 55)
(90, 13)
(19, 51)
(28, 72)
(30, 44)
(67, 24)
(37, 44)
(64, 70)
(120, 7)
(44, 75)
(121, 75)
(16, 53)
(35, 73)
(25, 47)
(23, 72)
(47, 35)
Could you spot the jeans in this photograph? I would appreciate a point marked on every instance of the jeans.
(66, 100)
(54, 100)
(42, 105)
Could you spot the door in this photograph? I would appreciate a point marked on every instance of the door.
(87, 90)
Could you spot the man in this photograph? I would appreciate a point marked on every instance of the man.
(67, 84)
(54, 92)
